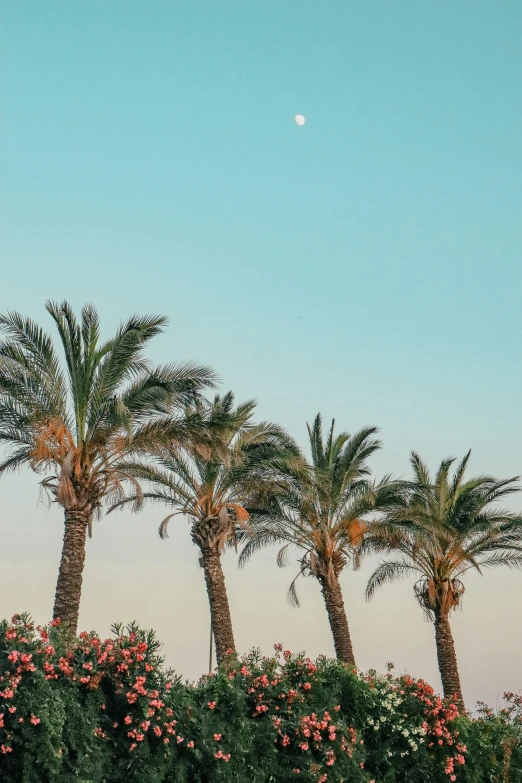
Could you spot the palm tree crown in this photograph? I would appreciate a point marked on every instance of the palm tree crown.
(442, 528)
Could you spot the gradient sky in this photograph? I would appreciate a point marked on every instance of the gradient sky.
(366, 265)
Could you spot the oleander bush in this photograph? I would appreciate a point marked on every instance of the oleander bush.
(109, 711)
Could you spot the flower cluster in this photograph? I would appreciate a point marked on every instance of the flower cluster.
(22, 658)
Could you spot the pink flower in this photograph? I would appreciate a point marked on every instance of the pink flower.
(217, 737)
(212, 705)
(34, 720)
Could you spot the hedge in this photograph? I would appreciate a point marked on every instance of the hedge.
(109, 711)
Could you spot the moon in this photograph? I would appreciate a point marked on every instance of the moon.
(299, 119)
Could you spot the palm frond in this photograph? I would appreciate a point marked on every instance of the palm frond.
(511, 559)
(16, 460)
(162, 530)
(459, 473)
(316, 440)
(261, 539)
(420, 470)
(282, 556)
(291, 596)
(388, 571)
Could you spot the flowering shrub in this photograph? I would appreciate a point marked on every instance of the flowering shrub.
(494, 741)
(411, 732)
(285, 718)
(107, 710)
(83, 710)
(32, 714)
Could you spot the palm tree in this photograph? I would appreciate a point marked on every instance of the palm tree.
(321, 510)
(212, 484)
(76, 421)
(440, 530)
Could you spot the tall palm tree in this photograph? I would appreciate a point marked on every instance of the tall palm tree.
(212, 484)
(75, 421)
(322, 510)
(441, 529)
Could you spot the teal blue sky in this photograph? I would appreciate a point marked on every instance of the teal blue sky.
(366, 265)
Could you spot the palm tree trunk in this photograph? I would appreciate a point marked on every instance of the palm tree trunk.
(218, 600)
(447, 659)
(333, 598)
(70, 575)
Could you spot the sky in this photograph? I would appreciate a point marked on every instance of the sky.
(365, 265)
